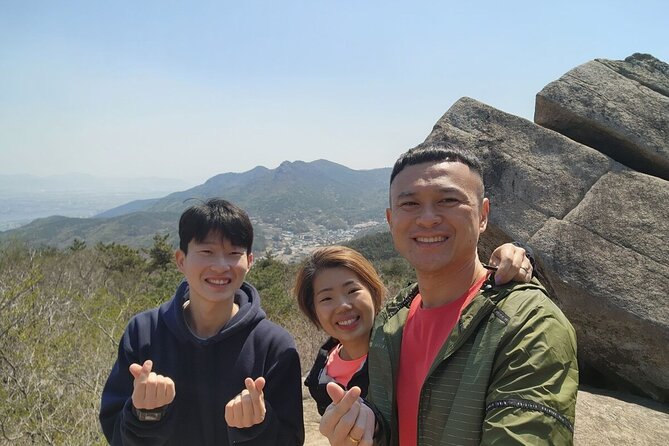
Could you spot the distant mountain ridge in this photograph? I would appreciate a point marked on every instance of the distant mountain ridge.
(295, 196)
(135, 229)
(293, 189)
(25, 198)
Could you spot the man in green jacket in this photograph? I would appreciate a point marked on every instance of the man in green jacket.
(456, 359)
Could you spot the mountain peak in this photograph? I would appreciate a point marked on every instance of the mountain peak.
(295, 196)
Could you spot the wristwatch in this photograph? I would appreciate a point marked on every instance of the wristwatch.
(149, 414)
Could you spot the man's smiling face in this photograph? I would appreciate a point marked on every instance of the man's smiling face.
(436, 215)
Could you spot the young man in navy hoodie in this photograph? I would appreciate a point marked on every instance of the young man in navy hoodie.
(206, 367)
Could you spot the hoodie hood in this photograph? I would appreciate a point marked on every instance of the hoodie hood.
(248, 316)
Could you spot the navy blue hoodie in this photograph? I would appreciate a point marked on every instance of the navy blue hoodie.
(207, 374)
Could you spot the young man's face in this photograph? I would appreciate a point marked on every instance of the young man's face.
(436, 215)
(214, 268)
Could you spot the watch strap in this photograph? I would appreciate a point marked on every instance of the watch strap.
(149, 414)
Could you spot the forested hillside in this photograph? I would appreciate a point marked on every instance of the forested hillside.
(296, 196)
(62, 313)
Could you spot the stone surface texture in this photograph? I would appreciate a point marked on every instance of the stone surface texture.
(621, 108)
(599, 230)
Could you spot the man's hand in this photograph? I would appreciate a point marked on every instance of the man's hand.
(248, 408)
(347, 421)
(511, 263)
(151, 391)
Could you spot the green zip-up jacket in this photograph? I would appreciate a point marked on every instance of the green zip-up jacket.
(507, 374)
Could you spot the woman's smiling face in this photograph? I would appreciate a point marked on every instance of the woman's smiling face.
(344, 305)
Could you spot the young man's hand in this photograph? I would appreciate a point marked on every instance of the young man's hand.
(151, 391)
(347, 421)
(248, 408)
(511, 263)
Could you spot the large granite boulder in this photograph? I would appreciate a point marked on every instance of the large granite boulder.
(600, 232)
(621, 108)
(644, 69)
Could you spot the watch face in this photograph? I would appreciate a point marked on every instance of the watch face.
(150, 416)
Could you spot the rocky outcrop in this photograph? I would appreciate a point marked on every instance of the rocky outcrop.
(619, 419)
(600, 232)
(608, 263)
(621, 108)
(532, 174)
(644, 69)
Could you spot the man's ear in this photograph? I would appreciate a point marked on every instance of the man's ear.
(179, 259)
(249, 259)
(389, 217)
(485, 210)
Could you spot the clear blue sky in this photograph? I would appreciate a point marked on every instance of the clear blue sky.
(191, 89)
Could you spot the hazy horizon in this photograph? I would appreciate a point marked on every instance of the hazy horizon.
(190, 90)
(158, 177)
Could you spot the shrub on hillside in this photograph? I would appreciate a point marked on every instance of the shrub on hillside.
(62, 314)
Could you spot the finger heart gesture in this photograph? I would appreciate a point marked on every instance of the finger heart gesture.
(248, 408)
(151, 390)
(347, 421)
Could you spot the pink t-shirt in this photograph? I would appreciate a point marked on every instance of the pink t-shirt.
(341, 370)
(425, 332)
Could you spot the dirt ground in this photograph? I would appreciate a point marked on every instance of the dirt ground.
(311, 419)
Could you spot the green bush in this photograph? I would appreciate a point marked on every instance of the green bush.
(62, 314)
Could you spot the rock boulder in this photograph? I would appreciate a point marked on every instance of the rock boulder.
(600, 232)
(619, 419)
(621, 108)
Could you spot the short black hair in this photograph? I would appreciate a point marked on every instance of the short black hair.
(218, 216)
(437, 152)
